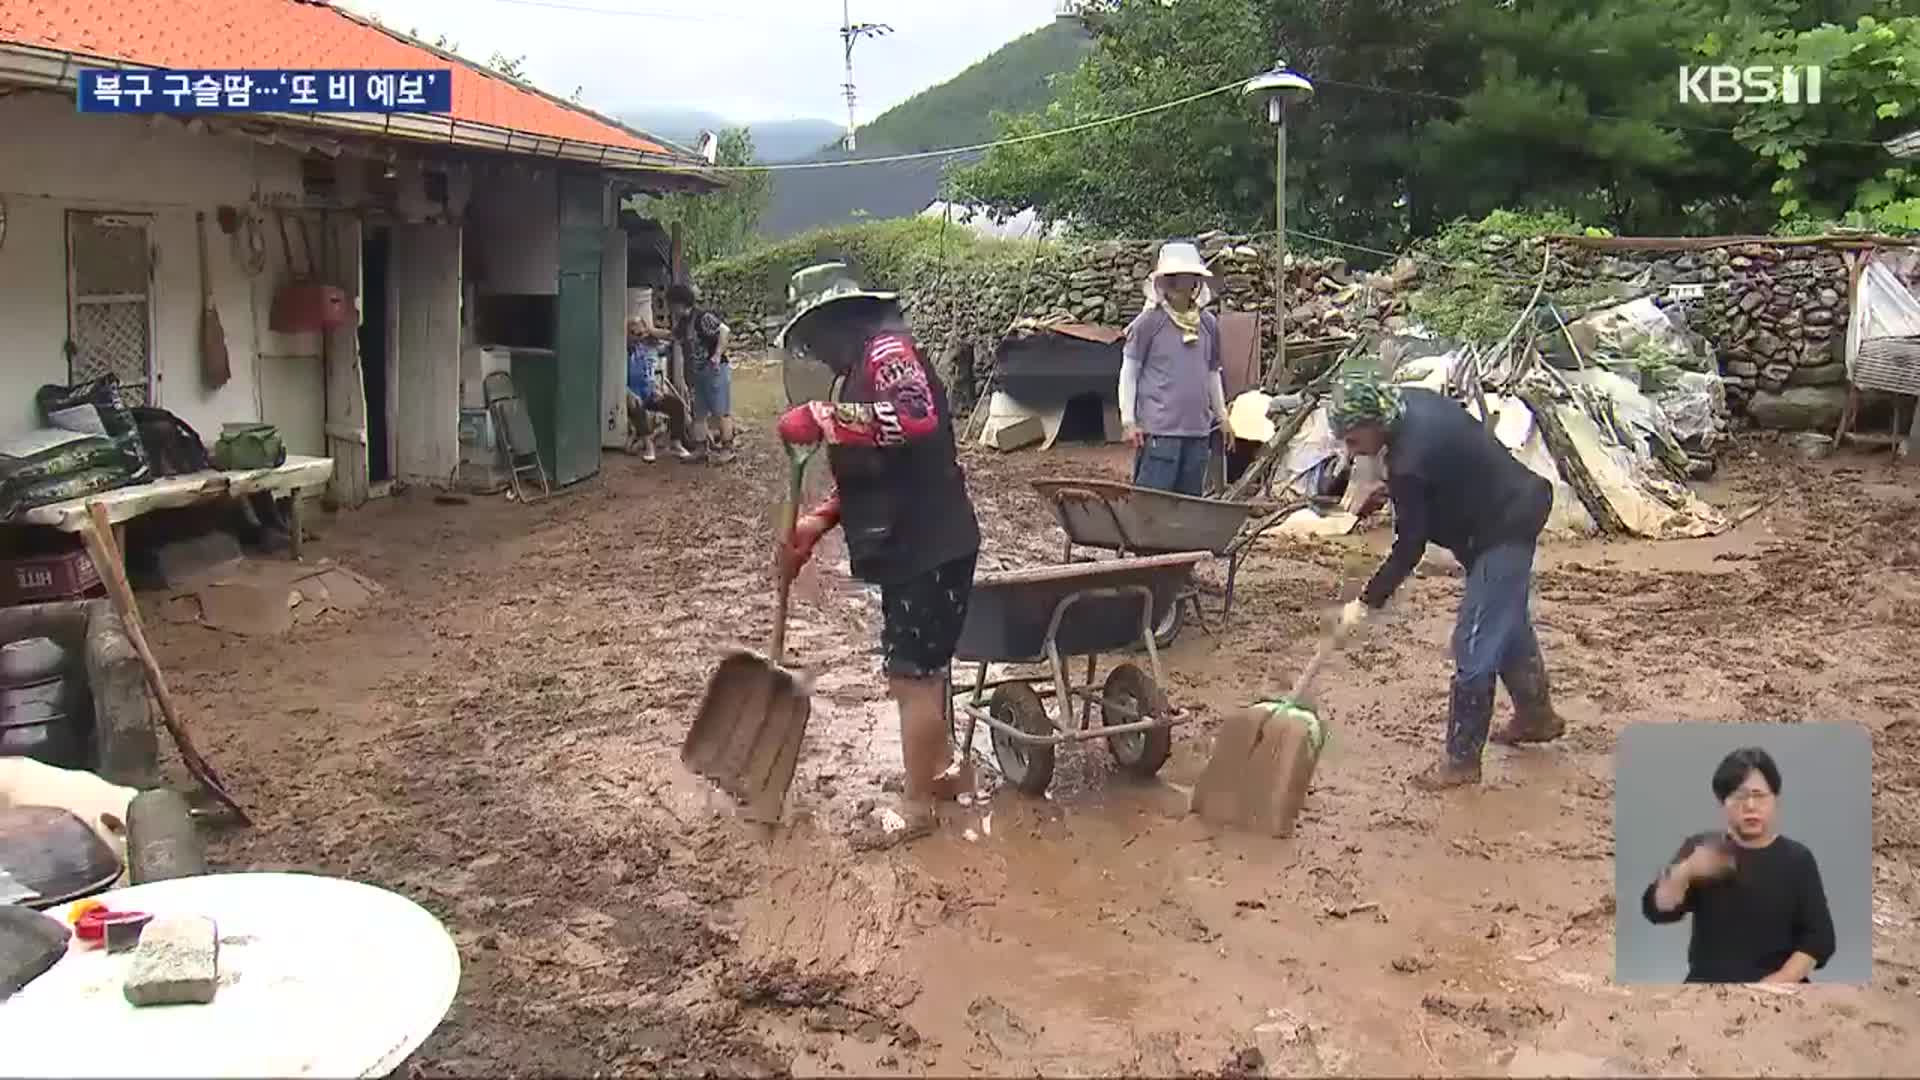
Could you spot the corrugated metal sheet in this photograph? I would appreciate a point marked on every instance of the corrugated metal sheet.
(1906, 146)
(1891, 364)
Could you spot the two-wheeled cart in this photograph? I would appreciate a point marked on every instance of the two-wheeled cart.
(1053, 614)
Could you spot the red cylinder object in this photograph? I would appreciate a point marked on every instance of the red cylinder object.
(308, 306)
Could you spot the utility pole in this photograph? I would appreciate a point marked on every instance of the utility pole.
(851, 32)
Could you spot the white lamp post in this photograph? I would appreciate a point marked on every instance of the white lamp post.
(1279, 87)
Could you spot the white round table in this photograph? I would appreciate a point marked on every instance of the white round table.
(319, 977)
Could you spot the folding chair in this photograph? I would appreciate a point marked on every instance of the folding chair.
(517, 443)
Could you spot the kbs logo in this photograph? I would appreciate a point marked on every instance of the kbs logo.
(1723, 84)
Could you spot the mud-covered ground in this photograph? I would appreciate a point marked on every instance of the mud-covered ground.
(497, 737)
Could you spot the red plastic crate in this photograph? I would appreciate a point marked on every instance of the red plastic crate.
(43, 578)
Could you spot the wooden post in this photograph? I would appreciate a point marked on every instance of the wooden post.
(296, 525)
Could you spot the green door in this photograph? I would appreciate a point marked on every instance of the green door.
(576, 435)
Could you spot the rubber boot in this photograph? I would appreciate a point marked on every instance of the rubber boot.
(1469, 712)
(1534, 720)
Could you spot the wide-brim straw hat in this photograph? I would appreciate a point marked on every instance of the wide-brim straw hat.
(817, 286)
(1181, 258)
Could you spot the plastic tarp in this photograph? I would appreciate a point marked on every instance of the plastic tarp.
(1649, 505)
(1884, 307)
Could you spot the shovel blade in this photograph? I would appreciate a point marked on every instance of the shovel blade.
(746, 737)
(1258, 776)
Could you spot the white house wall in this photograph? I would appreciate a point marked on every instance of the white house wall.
(55, 160)
(513, 222)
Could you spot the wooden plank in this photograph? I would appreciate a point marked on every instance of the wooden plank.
(107, 558)
(172, 492)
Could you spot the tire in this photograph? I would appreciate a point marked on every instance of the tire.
(1028, 767)
(162, 840)
(1138, 753)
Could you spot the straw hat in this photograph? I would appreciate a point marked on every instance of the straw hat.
(1181, 258)
(814, 287)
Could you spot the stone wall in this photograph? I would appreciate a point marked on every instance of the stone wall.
(1776, 314)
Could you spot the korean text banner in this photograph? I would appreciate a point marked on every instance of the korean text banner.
(104, 90)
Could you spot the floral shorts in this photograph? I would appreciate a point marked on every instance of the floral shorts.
(923, 618)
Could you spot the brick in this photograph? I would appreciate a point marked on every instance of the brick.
(176, 963)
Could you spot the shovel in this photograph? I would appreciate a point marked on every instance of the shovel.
(1263, 759)
(746, 737)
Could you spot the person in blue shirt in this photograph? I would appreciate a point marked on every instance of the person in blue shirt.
(646, 397)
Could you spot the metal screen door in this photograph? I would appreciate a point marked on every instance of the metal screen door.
(110, 301)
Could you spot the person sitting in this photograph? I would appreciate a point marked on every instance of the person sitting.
(646, 396)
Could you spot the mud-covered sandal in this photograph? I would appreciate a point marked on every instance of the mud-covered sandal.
(888, 827)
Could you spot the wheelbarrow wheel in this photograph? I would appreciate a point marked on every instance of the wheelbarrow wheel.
(1027, 766)
(1130, 694)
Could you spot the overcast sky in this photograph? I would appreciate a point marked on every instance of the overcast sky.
(747, 60)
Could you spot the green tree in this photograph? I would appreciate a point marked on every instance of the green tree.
(720, 224)
(1825, 159)
(1429, 111)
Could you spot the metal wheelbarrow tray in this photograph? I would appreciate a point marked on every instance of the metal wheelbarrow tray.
(1111, 516)
(1046, 615)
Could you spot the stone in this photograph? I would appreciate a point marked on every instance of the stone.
(1820, 316)
(1829, 298)
(1742, 368)
(1799, 408)
(1767, 345)
(1753, 301)
(1822, 375)
(176, 963)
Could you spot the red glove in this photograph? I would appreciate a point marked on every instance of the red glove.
(800, 425)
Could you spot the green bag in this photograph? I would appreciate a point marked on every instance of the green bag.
(249, 446)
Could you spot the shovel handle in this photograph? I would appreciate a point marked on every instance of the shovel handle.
(789, 515)
(1305, 681)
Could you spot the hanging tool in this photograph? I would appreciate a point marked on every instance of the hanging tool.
(1263, 758)
(215, 366)
(746, 737)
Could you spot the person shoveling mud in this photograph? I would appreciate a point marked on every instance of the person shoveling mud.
(1452, 483)
(902, 501)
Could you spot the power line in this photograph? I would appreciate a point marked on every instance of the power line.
(1074, 129)
(954, 151)
(1462, 103)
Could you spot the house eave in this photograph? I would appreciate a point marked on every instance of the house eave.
(43, 68)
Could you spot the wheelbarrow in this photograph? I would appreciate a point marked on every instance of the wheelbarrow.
(1110, 516)
(1050, 614)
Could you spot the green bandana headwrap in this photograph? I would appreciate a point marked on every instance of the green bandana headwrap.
(1360, 397)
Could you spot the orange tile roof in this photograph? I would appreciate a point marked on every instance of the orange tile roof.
(288, 34)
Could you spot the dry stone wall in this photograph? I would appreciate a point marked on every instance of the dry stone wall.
(1775, 314)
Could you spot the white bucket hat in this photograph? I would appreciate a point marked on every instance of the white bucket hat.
(1179, 258)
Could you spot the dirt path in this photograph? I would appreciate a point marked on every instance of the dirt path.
(498, 739)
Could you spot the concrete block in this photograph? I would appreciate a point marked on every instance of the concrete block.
(176, 963)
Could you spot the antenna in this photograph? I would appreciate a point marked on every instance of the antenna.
(851, 32)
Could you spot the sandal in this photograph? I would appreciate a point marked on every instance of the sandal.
(888, 827)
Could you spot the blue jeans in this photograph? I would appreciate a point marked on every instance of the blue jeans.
(1176, 463)
(712, 389)
(1492, 631)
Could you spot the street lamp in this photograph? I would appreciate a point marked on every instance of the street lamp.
(1279, 87)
